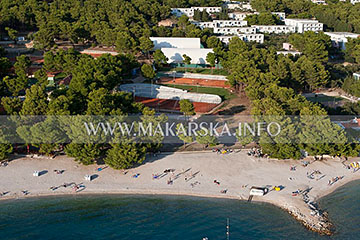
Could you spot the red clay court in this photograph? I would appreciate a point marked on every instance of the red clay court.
(173, 105)
(195, 82)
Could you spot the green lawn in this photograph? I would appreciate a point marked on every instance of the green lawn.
(323, 98)
(223, 93)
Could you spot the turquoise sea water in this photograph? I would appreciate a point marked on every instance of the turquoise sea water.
(167, 217)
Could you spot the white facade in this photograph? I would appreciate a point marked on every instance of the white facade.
(237, 5)
(221, 23)
(234, 30)
(198, 56)
(294, 53)
(230, 23)
(339, 39)
(259, 38)
(319, 2)
(304, 25)
(174, 42)
(357, 76)
(238, 15)
(190, 11)
(277, 29)
(233, 5)
(203, 25)
(287, 46)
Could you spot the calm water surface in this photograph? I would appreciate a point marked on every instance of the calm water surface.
(168, 217)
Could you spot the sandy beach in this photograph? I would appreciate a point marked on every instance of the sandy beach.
(194, 175)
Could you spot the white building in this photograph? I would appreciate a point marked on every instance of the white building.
(190, 11)
(247, 6)
(175, 55)
(304, 25)
(323, 2)
(233, 5)
(230, 23)
(235, 30)
(221, 23)
(242, 15)
(237, 5)
(239, 15)
(175, 42)
(288, 46)
(339, 39)
(356, 76)
(203, 25)
(277, 29)
(294, 53)
(259, 38)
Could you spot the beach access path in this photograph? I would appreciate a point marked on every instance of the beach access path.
(194, 175)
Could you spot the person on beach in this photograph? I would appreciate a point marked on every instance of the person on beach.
(76, 188)
(25, 192)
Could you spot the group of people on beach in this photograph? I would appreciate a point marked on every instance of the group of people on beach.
(334, 180)
(222, 150)
(312, 174)
(256, 152)
(75, 186)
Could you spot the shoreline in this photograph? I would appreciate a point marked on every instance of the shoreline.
(112, 182)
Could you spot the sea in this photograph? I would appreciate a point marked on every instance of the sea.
(169, 217)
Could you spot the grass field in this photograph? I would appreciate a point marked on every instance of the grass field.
(323, 98)
(223, 93)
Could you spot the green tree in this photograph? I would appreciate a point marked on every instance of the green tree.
(5, 66)
(35, 102)
(83, 153)
(146, 45)
(245, 139)
(205, 17)
(12, 105)
(183, 135)
(159, 58)
(187, 60)
(19, 83)
(205, 138)
(5, 147)
(197, 15)
(124, 156)
(12, 33)
(148, 71)
(211, 59)
(5, 150)
(124, 42)
(186, 107)
(42, 77)
(59, 106)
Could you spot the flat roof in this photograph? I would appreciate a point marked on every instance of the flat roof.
(343, 33)
(302, 20)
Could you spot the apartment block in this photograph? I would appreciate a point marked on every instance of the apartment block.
(234, 30)
(339, 39)
(304, 25)
(190, 11)
(274, 29)
(259, 38)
